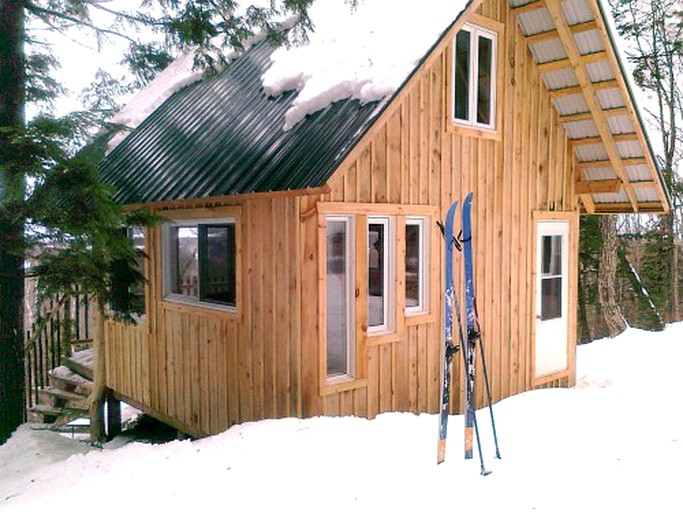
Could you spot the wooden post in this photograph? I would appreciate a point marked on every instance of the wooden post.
(98, 395)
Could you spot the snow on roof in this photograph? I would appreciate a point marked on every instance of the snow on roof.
(177, 75)
(363, 54)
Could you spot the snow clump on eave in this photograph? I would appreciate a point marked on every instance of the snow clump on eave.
(364, 54)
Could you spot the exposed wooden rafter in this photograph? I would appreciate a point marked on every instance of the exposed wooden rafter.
(577, 61)
(576, 89)
(597, 187)
(552, 34)
(553, 65)
(584, 116)
(531, 6)
(648, 207)
(595, 164)
(600, 139)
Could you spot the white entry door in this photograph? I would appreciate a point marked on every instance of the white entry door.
(552, 264)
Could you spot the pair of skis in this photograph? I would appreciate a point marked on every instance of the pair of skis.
(467, 340)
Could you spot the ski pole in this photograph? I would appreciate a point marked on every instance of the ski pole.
(486, 381)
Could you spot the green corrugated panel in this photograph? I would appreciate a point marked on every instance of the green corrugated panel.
(224, 136)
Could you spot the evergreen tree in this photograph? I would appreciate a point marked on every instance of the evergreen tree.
(50, 196)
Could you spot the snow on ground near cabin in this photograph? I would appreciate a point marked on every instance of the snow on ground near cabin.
(615, 442)
(363, 54)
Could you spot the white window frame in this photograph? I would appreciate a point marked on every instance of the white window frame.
(167, 263)
(423, 267)
(388, 277)
(350, 256)
(475, 32)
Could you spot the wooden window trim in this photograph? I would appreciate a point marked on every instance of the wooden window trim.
(231, 214)
(424, 252)
(360, 213)
(388, 327)
(464, 128)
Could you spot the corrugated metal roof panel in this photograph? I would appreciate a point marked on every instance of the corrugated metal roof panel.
(560, 78)
(610, 98)
(599, 173)
(618, 197)
(581, 129)
(638, 173)
(647, 194)
(536, 21)
(517, 3)
(589, 42)
(224, 136)
(571, 104)
(577, 11)
(620, 124)
(591, 153)
(600, 71)
(548, 51)
(630, 149)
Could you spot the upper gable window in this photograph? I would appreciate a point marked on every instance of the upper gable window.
(474, 78)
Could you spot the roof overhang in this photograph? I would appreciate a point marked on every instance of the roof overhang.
(577, 57)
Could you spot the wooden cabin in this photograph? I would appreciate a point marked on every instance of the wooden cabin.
(299, 272)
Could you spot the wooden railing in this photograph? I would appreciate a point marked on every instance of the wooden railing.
(52, 330)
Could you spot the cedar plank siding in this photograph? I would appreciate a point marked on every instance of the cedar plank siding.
(203, 370)
(414, 158)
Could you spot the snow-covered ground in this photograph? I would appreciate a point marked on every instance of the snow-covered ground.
(615, 442)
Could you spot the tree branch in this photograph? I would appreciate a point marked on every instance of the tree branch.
(47, 14)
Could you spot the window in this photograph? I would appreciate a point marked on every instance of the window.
(339, 314)
(415, 265)
(361, 301)
(128, 286)
(474, 77)
(201, 262)
(551, 277)
(380, 273)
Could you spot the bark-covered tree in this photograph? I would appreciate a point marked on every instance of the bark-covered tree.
(46, 182)
(607, 277)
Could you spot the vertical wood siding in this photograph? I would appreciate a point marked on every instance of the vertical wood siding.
(203, 370)
(414, 158)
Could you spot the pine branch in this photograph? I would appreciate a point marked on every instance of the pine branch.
(47, 16)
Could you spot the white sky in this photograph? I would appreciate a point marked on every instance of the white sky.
(614, 442)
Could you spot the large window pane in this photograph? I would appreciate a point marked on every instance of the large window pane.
(414, 265)
(551, 277)
(551, 298)
(185, 256)
(377, 285)
(552, 255)
(484, 80)
(338, 322)
(217, 263)
(461, 106)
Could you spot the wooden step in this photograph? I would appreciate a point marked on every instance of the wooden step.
(60, 398)
(46, 414)
(49, 414)
(81, 363)
(66, 379)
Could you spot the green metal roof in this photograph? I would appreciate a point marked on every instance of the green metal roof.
(223, 136)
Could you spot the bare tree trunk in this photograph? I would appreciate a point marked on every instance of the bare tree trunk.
(11, 224)
(607, 276)
(670, 220)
